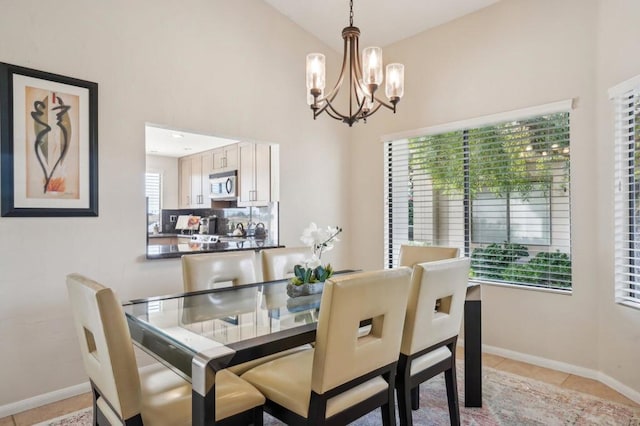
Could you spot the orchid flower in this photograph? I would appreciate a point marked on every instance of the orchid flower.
(319, 240)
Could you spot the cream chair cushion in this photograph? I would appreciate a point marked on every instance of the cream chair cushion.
(214, 270)
(340, 355)
(411, 255)
(234, 395)
(293, 390)
(444, 280)
(166, 397)
(278, 263)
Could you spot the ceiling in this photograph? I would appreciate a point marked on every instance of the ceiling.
(381, 22)
(177, 143)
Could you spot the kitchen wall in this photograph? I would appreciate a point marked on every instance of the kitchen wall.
(516, 54)
(211, 66)
(168, 168)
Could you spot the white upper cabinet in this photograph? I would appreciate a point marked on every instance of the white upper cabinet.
(194, 180)
(254, 174)
(225, 159)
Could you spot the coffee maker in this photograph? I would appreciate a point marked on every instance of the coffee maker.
(208, 225)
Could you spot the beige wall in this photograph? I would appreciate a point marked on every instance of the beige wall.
(517, 54)
(216, 67)
(617, 61)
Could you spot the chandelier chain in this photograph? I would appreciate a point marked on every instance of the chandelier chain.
(351, 13)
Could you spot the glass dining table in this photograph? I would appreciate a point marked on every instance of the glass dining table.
(197, 334)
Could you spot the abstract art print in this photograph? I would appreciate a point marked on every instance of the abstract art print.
(48, 131)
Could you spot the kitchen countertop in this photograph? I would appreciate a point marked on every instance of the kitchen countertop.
(167, 251)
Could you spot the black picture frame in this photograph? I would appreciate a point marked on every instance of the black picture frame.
(48, 144)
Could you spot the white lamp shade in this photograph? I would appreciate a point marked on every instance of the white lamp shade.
(315, 71)
(395, 81)
(372, 65)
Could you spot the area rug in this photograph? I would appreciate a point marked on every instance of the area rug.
(508, 400)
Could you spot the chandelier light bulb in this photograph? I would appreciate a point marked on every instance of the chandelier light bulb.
(315, 71)
(395, 81)
(372, 65)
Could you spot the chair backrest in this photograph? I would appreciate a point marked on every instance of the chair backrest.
(214, 270)
(340, 354)
(105, 343)
(220, 304)
(411, 255)
(425, 325)
(278, 263)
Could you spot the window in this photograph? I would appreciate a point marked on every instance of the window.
(496, 188)
(626, 97)
(153, 192)
(514, 217)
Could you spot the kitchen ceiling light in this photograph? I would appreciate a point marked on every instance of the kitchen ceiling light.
(363, 80)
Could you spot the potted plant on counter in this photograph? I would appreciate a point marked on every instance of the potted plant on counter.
(310, 277)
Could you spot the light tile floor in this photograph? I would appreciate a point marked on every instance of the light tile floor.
(554, 377)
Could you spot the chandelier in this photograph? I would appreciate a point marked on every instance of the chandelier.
(364, 79)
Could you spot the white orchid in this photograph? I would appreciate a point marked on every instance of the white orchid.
(319, 240)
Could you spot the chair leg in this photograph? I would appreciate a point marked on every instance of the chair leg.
(388, 410)
(404, 404)
(94, 393)
(415, 398)
(386, 417)
(257, 416)
(452, 395)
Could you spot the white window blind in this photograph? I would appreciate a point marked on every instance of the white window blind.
(153, 192)
(499, 192)
(626, 99)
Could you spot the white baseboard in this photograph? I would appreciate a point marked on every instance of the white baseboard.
(614, 384)
(48, 398)
(44, 399)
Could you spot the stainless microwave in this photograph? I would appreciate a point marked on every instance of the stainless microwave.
(223, 186)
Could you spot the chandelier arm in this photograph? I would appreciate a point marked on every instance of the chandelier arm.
(358, 69)
(331, 109)
(373, 110)
(331, 114)
(327, 104)
(332, 94)
(385, 104)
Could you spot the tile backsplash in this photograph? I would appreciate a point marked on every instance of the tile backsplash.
(227, 218)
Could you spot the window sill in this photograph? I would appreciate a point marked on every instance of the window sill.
(629, 304)
(567, 292)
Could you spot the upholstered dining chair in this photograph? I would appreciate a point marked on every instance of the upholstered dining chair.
(431, 332)
(346, 375)
(411, 255)
(215, 270)
(278, 263)
(154, 395)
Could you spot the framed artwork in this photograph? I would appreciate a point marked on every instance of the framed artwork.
(48, 144)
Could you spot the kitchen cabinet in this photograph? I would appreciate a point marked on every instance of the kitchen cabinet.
(184, 165)
(194, 180)
(225, 159)
(254, 174)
